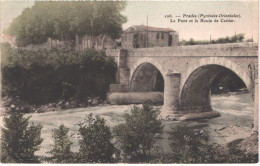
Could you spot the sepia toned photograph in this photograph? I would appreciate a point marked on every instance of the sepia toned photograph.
(129, 82)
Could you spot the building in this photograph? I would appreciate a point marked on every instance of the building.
(141, 36)
(98, 42)
(8, 39)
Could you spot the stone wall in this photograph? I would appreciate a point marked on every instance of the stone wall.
(135, 98)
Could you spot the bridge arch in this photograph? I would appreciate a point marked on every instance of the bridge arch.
(221, 61)
(146, 60)
(196, 87)
(146, 78)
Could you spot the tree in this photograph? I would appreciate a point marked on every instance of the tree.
(20, 139)
(61, 152)
(56, 75)
(236, 155)
(137, 134)
(112, 24)
(190, 146)
(233, 39)
(66, 20)
(95, 145)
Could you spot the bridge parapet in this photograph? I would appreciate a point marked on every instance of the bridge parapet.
(231, 49)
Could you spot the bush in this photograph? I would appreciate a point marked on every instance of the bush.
(137, 135)
(190, 146)
(5, 51)
(61, 152)
(95, 145)
(40, 77)
(236, 155)
(233, 39)
(20, 139)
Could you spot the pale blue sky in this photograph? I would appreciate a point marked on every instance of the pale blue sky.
(136, 13)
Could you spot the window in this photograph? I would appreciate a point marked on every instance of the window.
(158, 35)
(126, 37)
(162, 35)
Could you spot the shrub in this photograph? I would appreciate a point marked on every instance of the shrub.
(56, 74)
(190, 146)
(236, 155)
(95, 144)
(20, 139)
(61, 152)
(5, 51)
(233, 39)
(136, 135)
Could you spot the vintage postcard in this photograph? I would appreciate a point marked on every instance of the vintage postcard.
(129, 82)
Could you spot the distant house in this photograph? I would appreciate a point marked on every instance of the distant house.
(141, 36)
(86, 42)
(8, 39)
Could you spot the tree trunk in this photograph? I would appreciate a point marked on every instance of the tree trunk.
(103, 41)
(92, 42)
(77, 42)
(51, 44)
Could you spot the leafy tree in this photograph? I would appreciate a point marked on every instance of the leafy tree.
(61, 152)
(236, 155)
(108, 27)
(137, 135)
(95, 145)
(66, 20)
(5, 51)
(20, 139)
(56, 74)
(190, 146)
(233, 39)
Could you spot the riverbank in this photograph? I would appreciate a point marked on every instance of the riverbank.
(14, 103)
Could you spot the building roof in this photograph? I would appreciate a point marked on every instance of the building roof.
(135, 28)
(4, 36)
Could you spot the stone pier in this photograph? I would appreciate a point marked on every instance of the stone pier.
(171, 94)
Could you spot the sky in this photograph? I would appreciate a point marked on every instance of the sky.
(137, 13)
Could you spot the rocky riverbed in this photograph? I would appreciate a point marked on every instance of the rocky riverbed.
(14, 103)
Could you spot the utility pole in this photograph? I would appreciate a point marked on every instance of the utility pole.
(147, 31)
(235, 36)
(210, 39)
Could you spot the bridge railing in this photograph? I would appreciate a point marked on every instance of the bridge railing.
(228, 49)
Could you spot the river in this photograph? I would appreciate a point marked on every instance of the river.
(235, 110)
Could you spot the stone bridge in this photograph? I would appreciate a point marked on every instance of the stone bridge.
(183, 74)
